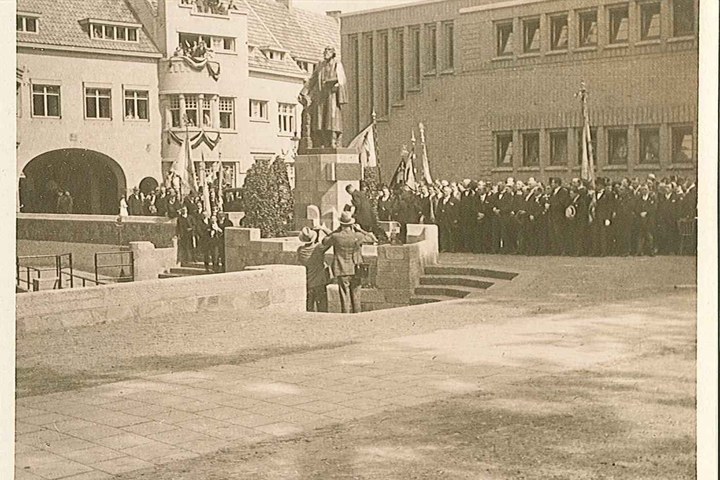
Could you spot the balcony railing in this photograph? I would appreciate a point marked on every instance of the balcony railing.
(210, 7)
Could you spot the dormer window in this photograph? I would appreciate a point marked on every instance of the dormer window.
(26, 23)
(274, 54)
(306, 67)
(113, 32)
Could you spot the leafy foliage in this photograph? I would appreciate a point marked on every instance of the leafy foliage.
(267, 198)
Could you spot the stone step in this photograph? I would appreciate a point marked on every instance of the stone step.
(446, 291)
(187, 271)
(193, 265)
(423, 299)
(170, 275)
(456, 280)
(469, 272)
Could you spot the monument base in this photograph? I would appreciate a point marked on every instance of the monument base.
(321, 176)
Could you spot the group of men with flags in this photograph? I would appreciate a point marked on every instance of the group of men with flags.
(631, 216)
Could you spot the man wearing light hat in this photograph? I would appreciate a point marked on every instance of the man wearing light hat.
(312, 255)
(347, 244)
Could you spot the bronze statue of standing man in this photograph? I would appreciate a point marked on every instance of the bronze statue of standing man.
(323, 97)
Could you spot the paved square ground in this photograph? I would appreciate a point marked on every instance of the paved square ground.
(578, 368)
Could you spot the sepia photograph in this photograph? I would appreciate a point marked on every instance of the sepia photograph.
(341, 239)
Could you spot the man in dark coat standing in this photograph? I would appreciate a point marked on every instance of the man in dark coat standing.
(467, 217)
(559, 201)
(646, 208)
(407, 210)
(135, 203)
(363, 211)
(668, 214)
(447, 219)
(347, 244)
(603, 218)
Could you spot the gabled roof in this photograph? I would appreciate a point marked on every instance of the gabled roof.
(61, 24)
(304, 34)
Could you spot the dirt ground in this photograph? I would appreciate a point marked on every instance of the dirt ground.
(632, 418)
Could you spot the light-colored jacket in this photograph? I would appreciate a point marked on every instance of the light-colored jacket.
(347, 248)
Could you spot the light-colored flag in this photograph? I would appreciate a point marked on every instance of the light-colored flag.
(219, 176)
(410, 166)
(206, 189)
(183, 167)
(425, 161)
(587, 167)
(364, 143)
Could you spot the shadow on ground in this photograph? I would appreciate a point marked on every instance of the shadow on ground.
(628, 421)
(42, 380)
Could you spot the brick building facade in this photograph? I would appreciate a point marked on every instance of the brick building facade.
(495, 84)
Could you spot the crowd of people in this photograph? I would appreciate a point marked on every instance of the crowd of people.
(200, 230)
(630, 216)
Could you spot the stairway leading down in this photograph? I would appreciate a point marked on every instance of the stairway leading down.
(444, 282)
(186, 269)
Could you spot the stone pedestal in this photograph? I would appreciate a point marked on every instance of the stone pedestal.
(321, 176)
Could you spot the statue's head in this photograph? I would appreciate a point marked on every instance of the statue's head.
(329, 53)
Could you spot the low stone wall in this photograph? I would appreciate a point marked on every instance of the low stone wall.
(269, 287)
(244, 248)
(95, 229)
(395, 270)
(150, 261)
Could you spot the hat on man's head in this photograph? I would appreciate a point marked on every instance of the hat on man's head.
(307, 235)
(346, 219)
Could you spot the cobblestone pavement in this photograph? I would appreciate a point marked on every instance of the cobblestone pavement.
(154, 419)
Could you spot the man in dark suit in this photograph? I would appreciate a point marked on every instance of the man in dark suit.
(528, 211)
(483, 219)
(603, 218)
(363, 211)
(467, 217)
(668, 214)
(504, 209)
(347, 242)
(446, 215)
(407, 210)
(624, 221)
(646, 209)
(559, 201)
(135, 203)
(185, 236)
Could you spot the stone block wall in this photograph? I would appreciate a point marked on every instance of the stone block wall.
(95, 229)
(395, 270)
(270, 287)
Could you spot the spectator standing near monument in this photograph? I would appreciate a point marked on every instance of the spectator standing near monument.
(347, 244)
(135, 202)
(317, 275)
(184, 231)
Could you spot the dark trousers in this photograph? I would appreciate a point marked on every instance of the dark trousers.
(446, 232)
(185, 246)
(467, 234)
(212, 255)
(403, 233)
(557, 240)
(349, 287)
(507, 234)
(667, 238)
(316, 299)
(602, 238)
(623, 237)
(645, 240)
(526, 236)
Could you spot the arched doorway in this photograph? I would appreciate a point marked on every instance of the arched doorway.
(95, 182)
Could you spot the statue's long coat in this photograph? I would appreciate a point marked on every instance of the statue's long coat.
(326, 104)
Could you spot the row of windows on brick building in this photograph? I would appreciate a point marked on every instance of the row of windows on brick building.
(617, 151)
(617, 27)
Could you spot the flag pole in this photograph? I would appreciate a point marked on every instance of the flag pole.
(375, 144)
